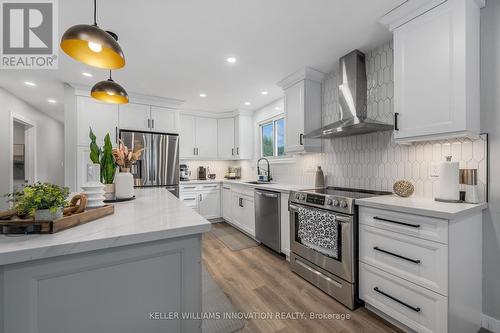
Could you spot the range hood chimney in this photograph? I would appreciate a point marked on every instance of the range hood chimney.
(352, 102)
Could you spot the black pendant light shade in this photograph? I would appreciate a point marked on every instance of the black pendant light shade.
(109, 91)
(93, 46)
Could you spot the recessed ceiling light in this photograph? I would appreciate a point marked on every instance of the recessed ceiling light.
(264, 92)
(203, 95)
(30, 84)
(247, 103)
(231, 60)
(87, 74)
(52, 101)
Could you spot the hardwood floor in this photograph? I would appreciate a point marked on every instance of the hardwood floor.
(258, 280)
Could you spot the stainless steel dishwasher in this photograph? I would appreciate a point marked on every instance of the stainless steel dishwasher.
(268, 218)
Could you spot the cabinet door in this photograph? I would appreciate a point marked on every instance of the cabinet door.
(247, 210)
(226, 203)
(226, 138)
(102, 117)
(187, 132)
(244, 132)
(135, 116)
(191, 200)
(210, 204)
(294, 110)
(206, 137)
(236, 213)
(430, 90)
(164, 120)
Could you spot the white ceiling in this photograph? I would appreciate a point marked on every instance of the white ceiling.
(177, 48)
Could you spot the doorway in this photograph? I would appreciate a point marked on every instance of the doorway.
(23, 152)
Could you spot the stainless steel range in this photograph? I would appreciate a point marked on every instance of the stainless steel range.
(324, 239)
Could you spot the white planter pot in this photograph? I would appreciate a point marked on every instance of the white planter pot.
(47, 215)
(124, 185)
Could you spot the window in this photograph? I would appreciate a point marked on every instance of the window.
(273, 138)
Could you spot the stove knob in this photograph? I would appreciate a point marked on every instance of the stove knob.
(329, 202)
(302, 197)
(343, 204)
(336, 203)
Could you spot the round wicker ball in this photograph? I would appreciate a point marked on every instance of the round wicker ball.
(403, 188)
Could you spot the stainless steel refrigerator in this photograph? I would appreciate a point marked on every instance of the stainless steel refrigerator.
(159, 163)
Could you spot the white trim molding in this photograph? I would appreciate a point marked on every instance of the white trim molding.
(490, 323)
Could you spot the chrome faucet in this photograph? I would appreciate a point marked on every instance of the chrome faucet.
(268, 172)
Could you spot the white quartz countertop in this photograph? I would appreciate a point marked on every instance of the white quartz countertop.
(155, 214)
(280, 187)
(422, 206)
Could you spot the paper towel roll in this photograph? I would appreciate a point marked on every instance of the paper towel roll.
(448, 186)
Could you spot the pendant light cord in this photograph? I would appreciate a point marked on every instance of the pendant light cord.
(110, 78)
(95, 12)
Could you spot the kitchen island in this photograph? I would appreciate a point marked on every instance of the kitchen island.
(137, 270)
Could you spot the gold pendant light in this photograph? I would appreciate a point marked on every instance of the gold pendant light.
(93, 46)
(109, 91)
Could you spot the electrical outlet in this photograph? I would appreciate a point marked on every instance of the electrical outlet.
(434, 169)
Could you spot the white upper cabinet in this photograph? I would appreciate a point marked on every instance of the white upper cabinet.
(226, 138)
(243, 137)
(135, 117)
(302, 109)
(164, 120)
(206, 137)
(436, 72)
(198, 137)
(143, 117)
(187, 134)
(102, 117)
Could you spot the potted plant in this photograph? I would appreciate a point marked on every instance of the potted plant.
(94, 170)
(108, 168)
(124, 182)
(44, 201)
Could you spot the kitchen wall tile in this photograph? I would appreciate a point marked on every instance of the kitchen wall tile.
(375, 161)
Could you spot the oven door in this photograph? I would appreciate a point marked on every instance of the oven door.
(341, 267)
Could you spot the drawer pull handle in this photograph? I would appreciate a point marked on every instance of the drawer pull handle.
(416, 309)
(415, 261)
(189, 199)
(184, 187)
(396, 222)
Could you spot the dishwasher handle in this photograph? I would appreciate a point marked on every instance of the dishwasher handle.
(267, 195)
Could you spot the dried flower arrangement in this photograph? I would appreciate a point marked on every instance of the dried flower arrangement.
(125, 157)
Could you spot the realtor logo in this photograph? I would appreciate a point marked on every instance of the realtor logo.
(29, 34)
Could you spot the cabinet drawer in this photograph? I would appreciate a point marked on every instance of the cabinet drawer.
(199, 187)
(414, 225)
(188, 188)
(417, 260)
(414, 306)
(190, 200)
(208, 187)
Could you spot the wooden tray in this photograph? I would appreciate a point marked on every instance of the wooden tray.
(50, 227)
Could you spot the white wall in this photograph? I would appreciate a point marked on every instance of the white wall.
(490, 122)
(50, 142)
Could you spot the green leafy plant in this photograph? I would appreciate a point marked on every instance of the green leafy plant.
(39, 196)
(95, 151)
(108, 166)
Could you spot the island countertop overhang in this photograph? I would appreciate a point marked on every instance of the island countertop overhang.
(155, 214)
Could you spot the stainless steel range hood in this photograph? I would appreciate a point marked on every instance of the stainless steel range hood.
(352, 102)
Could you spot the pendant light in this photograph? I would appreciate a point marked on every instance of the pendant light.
(109, 91)
(93, 46)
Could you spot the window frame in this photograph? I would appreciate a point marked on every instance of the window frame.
(272, 121)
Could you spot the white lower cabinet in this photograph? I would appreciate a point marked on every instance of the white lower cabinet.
(412, 305)
(226, 203)
(209, 203)
(203, 198)
(243, 212)
(421, 272)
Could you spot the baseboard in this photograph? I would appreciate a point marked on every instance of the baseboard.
(490, 323)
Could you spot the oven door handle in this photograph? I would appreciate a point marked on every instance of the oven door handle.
(339, 218)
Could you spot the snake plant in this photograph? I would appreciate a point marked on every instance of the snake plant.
(108, 166)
